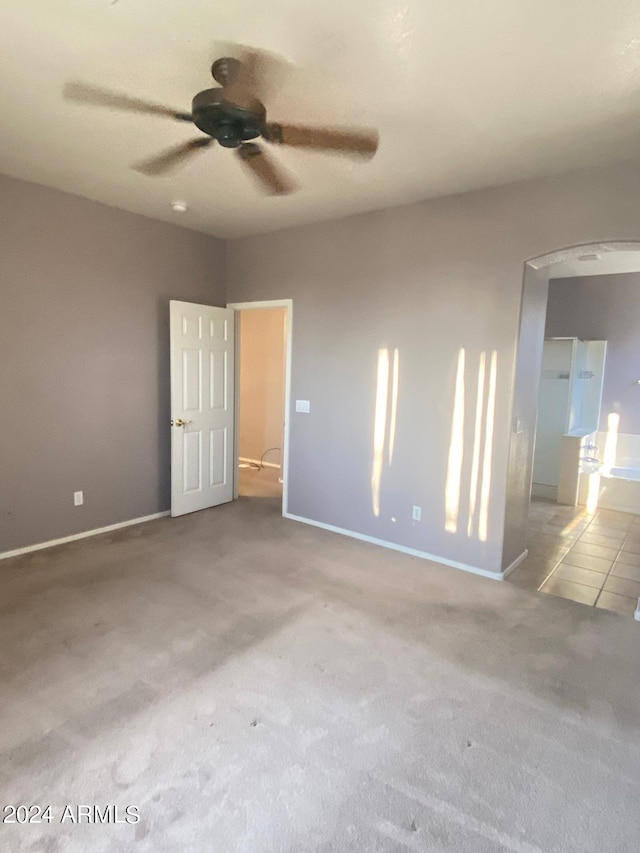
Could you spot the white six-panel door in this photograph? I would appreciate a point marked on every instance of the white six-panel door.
(202, 406)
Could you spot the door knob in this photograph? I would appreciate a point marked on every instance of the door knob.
(180, 422)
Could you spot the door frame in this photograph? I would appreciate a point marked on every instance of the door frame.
(287, 304)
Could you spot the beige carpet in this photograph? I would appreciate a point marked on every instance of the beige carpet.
(253, 684)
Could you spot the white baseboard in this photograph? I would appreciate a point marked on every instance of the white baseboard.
(258, 462)
(84, 535)
(515, 564)
(498, 576)
(540, 490)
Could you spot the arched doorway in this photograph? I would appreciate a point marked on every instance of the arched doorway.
(575, 262)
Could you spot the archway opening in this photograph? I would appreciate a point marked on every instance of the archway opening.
(573, 301)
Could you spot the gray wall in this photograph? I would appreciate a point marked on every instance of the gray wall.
(262, 366)
(84, 352)
(429, 279)
(605, 307)
(84, 358)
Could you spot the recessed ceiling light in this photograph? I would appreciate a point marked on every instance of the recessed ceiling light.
(179, 206)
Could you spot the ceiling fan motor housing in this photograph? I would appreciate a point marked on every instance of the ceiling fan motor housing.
(228, 123)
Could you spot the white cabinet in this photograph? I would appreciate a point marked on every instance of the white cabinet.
(568, 404)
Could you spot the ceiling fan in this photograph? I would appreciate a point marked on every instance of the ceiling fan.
(233, 116)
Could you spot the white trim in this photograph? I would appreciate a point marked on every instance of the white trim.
(236, 404)
(515, 564)
(540, 490)
(259, 463)
(271, 303)
(84, 535)
(498, 576)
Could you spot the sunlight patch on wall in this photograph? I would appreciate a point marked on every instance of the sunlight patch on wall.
(379, 427)
(386, 414)
(485, 488)
(477, 443)
(611, 442)
(394, 402)
(456, 451)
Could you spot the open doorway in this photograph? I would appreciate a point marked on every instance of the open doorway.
(578, 370)
(263, 332)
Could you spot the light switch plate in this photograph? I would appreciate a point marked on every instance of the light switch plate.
(303, 406)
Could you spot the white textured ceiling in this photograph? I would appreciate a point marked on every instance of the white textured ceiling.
(465, 94)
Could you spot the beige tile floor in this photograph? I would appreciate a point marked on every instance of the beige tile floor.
(593, 558)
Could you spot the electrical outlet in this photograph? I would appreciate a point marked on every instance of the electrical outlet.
(416, 515)
(303, 406)
(78, 498)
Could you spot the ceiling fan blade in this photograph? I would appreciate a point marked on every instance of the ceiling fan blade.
(361, 142)
(85, 94)
(172, 158)
(272, 178)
